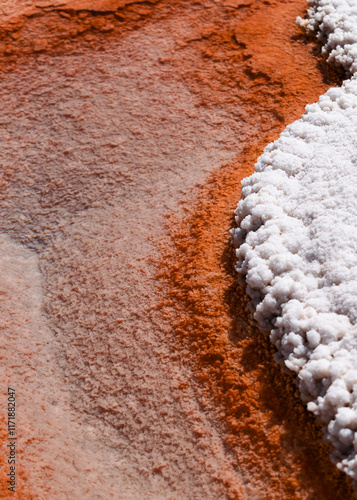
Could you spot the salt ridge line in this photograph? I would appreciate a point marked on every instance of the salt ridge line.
(297, 241)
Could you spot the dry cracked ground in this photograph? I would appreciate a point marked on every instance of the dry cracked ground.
(126, 128)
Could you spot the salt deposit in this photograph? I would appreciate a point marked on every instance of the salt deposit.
(297, 239)
(336, 25)
(129, 386)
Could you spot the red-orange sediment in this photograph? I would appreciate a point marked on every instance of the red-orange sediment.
(275, 441)
(248, 58)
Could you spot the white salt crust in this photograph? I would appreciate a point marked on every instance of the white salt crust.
(297, 241)
(335, 22)
(90, 162)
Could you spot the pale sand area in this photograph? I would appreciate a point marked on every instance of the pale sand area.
(92, 159)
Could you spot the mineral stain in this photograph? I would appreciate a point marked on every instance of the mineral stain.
(247, 64)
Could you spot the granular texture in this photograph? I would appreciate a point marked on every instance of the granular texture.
(296, 240)
(110, 120)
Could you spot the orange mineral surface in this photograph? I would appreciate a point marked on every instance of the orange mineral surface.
(126, 128)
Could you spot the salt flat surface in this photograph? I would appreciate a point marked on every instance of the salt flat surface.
(336, 25)
(297, 241)
(91, 161)
(51, 438)
(95, 148)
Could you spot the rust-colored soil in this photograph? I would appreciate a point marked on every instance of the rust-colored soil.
(274, 74)
(247, 59)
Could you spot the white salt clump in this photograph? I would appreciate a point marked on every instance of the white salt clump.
(297, 241)
(336, 24)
